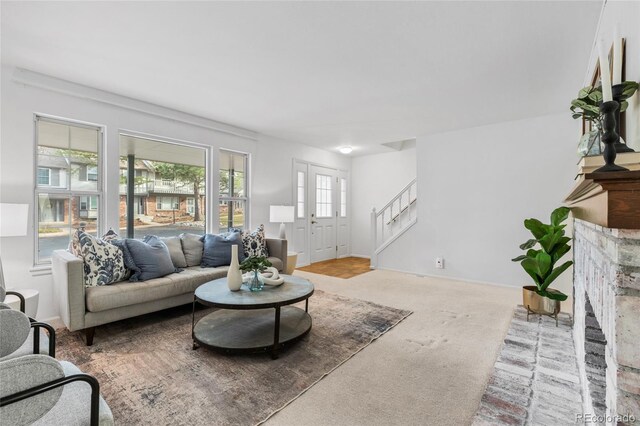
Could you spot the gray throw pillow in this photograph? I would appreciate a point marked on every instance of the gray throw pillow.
(151, 258)
(174, 244)
(217, 249)
(192, 247)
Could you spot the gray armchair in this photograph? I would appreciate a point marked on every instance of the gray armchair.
(40, 390)
(38, 341)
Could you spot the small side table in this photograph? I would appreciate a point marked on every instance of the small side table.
(292, 259)
(31, 301)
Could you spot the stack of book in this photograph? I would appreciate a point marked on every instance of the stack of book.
(629, 160)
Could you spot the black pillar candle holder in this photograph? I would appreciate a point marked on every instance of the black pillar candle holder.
(609, 136)
(616, 91)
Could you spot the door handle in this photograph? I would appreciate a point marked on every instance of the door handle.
(313, 222)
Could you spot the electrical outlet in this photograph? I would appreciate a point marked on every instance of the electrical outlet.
(440, 262)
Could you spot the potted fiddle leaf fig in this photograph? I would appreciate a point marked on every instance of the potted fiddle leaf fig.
(543, 253)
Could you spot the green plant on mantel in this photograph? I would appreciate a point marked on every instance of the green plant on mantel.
(540, 263)
(587, 105)
(255, 264)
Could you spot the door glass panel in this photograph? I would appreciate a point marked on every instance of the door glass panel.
(343, 197)
(323, 196)
(300, 204)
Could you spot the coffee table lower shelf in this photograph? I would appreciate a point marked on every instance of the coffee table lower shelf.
(251, 331)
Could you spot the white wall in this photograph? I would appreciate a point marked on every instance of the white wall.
(272, 183)
(475, 188)
(375, 180)
(270, 178)
(626, 15)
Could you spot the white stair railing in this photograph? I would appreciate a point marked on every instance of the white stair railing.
(393, 220)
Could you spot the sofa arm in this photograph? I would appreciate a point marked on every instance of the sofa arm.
(278, 248)
(68, 278)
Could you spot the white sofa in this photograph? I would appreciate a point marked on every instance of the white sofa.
(84, 308)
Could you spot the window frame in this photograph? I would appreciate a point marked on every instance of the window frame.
(175, 203)
(67, 190)
(229, 198)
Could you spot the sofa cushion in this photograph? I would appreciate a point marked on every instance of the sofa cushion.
(151, 258)
(103, 261)
(255, 243)
(174, 244)
(217, 249)
(192, 247)
(128, 293)
(276, 262)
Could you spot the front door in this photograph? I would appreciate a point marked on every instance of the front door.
(323, 185)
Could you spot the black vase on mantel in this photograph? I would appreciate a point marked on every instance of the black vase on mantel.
(609, 137)
(616, 91)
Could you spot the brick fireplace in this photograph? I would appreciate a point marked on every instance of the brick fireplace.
(607, 319)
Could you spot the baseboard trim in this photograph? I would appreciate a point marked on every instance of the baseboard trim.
(449, 278)
(362, 256)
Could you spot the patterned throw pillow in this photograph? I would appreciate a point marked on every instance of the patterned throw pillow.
(255, 243)
(103, 261)
(74, 244)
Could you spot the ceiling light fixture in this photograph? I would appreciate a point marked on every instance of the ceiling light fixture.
(345, 149)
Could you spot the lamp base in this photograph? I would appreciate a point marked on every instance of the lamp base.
(283, 228)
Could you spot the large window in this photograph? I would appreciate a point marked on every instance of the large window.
(169, 187)
(233, 190)
(66, 200)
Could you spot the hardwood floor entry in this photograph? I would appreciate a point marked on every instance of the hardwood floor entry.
(346, 267)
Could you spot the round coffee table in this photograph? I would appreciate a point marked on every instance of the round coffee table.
(246, 322)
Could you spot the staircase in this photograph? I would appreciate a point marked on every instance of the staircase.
(393, 220)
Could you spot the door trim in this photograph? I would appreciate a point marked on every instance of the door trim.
(294, 197)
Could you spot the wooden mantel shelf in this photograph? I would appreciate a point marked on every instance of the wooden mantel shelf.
(611, 199)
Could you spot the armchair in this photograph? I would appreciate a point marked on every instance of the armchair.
(40, 390)
(36, 338)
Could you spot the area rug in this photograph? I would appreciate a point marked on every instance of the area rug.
(149, 373)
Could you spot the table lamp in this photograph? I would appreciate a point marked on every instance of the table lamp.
(282, 214)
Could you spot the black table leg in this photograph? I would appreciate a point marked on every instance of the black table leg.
(276, 335)
(306, 305)
(193, 325)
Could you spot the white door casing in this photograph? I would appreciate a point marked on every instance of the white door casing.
(322, 213)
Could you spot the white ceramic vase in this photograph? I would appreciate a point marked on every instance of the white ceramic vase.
(234, 276)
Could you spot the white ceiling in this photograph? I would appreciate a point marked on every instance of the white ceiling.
(321, 73)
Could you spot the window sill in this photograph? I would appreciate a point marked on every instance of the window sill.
(39, 270)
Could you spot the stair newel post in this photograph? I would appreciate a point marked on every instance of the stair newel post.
(374, 238)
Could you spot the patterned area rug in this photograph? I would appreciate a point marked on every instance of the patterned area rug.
(149, 373)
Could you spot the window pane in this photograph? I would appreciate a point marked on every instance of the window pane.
(165, 177)
(301, 196)
(232, 174)
(232, 215)
(58, 216)
(323, 196)
(343, 197)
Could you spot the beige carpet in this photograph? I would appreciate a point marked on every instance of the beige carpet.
(149, 374)
(431, 369)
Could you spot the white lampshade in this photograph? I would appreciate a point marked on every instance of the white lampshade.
(281, 214)
(13, 219)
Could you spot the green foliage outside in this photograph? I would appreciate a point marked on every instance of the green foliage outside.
(553, 244)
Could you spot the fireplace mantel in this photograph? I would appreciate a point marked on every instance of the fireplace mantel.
(609, 199)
